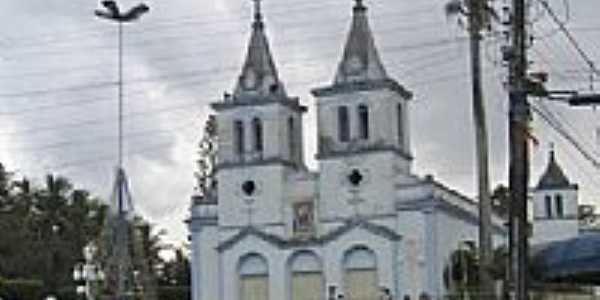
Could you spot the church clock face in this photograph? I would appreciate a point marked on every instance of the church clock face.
(354, 65)
(250, 79)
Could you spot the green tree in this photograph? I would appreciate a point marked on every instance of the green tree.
(461, 274)
(501, 201)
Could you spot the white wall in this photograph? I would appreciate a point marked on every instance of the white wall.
(382, 117)
(331, 254)
(551, 230)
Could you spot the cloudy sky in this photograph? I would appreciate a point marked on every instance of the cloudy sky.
(58, 93)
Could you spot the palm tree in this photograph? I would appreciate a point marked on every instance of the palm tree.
(479, 16)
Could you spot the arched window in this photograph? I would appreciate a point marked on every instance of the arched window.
(343, 124)
(559, 206)
(254, 277)
(238, 136)
(258, 134)
(548, 206)
(306, 276)
(363, 122)
(360, 274)
(400, 124)
(292, 138)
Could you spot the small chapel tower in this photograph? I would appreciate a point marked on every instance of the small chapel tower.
(555, 205)
(260, 137)
(363, 135)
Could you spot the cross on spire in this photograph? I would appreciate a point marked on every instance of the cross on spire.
(257, 10)
(359, 3)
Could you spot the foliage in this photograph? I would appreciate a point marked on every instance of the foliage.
(501, 201)
(21, 289)
(44, 230)
(205, 176)
(174, 293)
(461, 275)
(480, 13)
(176, 272)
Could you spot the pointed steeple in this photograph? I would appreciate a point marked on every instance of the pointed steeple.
(553, 177)
(361, 60)
(360, 67)
(259, 78)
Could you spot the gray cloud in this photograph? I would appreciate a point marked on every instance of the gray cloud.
(192, 52)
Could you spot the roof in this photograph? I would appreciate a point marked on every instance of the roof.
(360, 67)
(577, 258)
(553, 177)
(360, 61)
(259, 78)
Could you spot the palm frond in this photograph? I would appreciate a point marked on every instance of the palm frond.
(454, 8)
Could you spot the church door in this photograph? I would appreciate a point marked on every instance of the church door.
(307, 286)
(254, 278)
(361, 285)
(255, 288)
(360, 275)
(306, 276)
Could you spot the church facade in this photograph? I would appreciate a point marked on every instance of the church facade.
(362, 226)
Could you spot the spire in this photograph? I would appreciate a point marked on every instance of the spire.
(259, 78)
(553, 177)
(361, 61)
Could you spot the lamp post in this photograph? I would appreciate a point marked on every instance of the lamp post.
(113, 13)
(89, 272)
(119, 266)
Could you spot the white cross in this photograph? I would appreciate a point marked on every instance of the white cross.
(249, 209)
(355, 201)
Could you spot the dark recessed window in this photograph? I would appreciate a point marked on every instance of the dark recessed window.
(363, 117)
(559, 206)
(292, 138)
(238, 135)
(258, 134)
(548, 203)
(343, 124)
(400, 125)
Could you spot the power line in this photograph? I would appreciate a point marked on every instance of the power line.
(551, 121)
(191, 74)
(570, 37)
(207, 19)
(95, 140)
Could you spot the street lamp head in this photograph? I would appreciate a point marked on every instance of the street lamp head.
(113, 12)
(135, 13)
(112, 7)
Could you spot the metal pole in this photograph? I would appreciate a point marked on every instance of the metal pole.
(120, 133)
(519, 152)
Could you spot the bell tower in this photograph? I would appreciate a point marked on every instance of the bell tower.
(260, 137)
(555, 205)
(363, 134)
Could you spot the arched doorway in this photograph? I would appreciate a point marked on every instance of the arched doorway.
(253, 278)
(360, 274)
(306, 276)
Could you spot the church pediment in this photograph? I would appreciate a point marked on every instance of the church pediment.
(333, 235)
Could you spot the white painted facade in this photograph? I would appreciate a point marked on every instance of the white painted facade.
(362, 217)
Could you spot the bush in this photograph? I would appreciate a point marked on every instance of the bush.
(21, 289)
(174, 293)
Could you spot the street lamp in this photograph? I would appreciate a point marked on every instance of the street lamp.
(88, 272)
(113, 13)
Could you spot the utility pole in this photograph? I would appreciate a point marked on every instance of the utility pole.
(476, 11)
(519, 117)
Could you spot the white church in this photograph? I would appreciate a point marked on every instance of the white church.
(362, 226)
